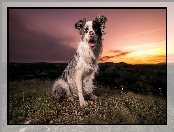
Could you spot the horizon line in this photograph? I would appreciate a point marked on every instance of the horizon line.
(98, 63)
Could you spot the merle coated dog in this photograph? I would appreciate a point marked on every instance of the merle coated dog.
(77, 78)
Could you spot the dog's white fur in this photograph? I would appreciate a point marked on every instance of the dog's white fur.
(77, 79)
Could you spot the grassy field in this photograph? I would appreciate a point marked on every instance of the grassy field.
(30, 102)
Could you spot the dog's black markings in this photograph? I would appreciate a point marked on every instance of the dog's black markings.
(80, 26)
(60, 93)
(69, 70)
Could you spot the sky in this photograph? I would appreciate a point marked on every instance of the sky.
(134, 36)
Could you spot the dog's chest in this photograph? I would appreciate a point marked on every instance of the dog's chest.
(86, 65)
(87, 69)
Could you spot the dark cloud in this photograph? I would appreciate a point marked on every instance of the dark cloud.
(115, 51)
(105, 58)
(27, 43)
(122, 54)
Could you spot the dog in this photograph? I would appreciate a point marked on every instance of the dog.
(77, 78)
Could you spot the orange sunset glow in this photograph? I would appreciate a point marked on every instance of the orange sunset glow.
(133, 36)
(138, 38)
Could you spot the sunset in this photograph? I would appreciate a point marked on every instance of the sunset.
(56, 69)
(134, 36)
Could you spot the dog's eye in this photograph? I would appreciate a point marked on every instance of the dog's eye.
(86, 30)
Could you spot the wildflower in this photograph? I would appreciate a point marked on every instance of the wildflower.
(113, 102)
(109, 107)
(160, 90)
(142, 120)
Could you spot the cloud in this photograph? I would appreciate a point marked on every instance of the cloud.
(27, 43)
(114, 51)
(157, 58)
(105, 58)
(122, 54)
(145, 32)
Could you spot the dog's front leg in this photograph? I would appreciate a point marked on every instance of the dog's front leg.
(79, 81)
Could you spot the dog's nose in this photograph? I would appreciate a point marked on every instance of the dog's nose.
(91, 33)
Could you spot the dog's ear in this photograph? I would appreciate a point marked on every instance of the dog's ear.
(80, 25)
(101, 19)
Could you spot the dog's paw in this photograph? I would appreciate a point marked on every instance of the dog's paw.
(70, 98)
(83, 103)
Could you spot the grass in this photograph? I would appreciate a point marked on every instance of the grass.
(30, 102)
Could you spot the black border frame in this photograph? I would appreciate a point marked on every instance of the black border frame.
(8, 8)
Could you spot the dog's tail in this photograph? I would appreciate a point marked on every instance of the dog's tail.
(58, 91)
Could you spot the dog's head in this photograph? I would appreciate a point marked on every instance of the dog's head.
(92, 31)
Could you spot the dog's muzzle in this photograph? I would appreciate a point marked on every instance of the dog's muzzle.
(91, 41)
